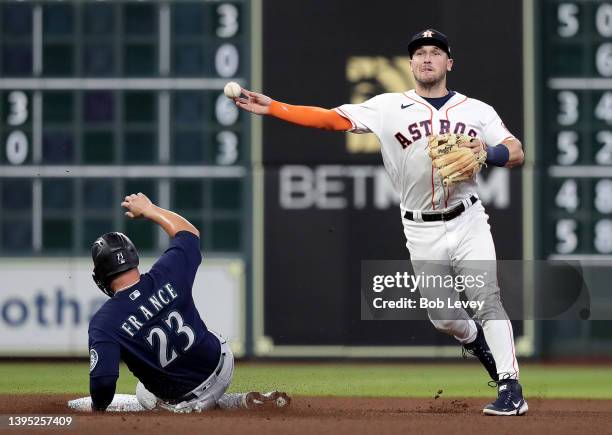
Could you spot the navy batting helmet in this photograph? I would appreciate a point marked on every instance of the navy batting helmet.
(112, 254)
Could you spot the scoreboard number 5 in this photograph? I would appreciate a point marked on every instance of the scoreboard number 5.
(569, 25)
(566, 236)
(568, 149)
(17, 142)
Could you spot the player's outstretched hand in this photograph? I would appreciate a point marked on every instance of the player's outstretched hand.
(137, 205)
(475, 145)
(254, 103)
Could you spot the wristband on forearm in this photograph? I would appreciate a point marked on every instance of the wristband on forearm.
(498, 155)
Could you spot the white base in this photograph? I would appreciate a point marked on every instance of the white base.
(120, 403)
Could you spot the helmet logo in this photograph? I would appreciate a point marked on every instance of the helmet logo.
(427, 34)
(120, 259)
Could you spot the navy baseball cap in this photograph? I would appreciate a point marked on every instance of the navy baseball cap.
(429, 37)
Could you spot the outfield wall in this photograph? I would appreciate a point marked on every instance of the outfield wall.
(46, 305)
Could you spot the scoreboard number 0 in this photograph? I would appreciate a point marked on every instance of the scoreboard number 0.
(17, 147)
(227, 60)
(603, 20)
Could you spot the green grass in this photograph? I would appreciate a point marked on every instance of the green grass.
(351, 379)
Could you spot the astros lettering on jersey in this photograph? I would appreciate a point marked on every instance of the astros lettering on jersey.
(402, 122)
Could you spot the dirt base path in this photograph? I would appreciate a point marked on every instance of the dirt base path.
(327, 415)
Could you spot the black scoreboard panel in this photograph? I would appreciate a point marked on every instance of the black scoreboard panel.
(574, 163)
(104, 98)
(575, 158)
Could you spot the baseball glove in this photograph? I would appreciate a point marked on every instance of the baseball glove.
(455, 163)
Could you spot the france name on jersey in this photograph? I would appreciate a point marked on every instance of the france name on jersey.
(403, 121)
(155, 328)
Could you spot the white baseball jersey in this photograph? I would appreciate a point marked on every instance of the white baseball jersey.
(402, 122)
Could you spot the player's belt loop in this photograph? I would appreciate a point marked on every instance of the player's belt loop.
(417, 216)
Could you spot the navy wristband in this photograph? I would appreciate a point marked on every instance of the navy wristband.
(498, 155)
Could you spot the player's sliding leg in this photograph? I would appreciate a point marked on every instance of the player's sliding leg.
(250, 400)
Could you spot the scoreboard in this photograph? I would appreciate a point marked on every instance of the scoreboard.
(100, 99)
(575, 133)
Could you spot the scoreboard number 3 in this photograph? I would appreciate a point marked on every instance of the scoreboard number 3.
(568, 108)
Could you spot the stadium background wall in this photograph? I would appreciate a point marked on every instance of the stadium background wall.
(317, 227)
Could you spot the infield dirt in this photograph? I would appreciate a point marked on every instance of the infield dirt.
(327, 415)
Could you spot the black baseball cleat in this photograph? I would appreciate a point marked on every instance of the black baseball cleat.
(509, 401)
(480, 349)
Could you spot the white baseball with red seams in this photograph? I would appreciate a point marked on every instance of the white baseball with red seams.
(232, 90)
(402, 122)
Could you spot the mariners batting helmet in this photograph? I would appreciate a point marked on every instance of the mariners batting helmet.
(112, 254)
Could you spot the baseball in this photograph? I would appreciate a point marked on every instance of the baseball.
(232, 90)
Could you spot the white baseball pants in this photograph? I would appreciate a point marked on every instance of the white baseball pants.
(459, 246)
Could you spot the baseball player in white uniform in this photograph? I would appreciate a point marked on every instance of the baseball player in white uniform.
(441, 224)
